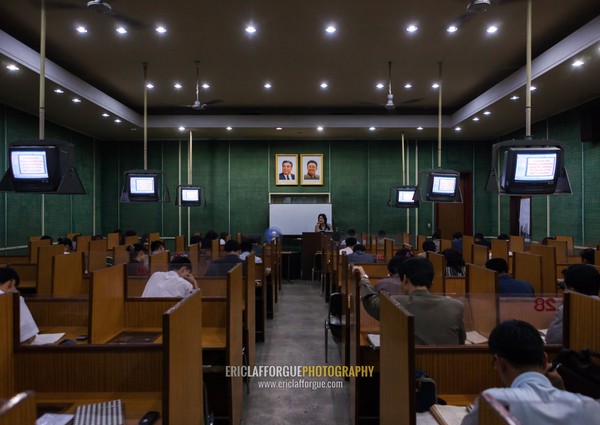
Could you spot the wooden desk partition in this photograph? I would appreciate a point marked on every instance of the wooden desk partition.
(67, 275)
(112, 240)
(179, 243)
(517, 243)
(7, 340)
(548, 254)
(44, 269)
(468, 252)
(528, 267)
(581, 316)
(107, 311)
(250, 309)
(480, 254)
(98, 245)
(500, 249)
(19, 410)
(83, 243)
(482, 287)
(159, 262)
(33, 248)
(439, 270)
(397, 402)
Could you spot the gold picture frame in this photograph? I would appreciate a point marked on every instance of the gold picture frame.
(286, 169)
(311, 169)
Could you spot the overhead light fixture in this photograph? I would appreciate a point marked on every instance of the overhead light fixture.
(268, 85)
(412, 28)
(81, 30)
(452, 28)
(58, 91)
(229, 128)
(330, 29)
(380, 85)
(122, 30)
(118, 121)
(177, 86)
(76, 100)
(160, 29)
(319, 128)
(577, 63)
(181, 128)
(457, 128)
(105, 115)
(477, 6)
(408, 86)
(435, 86)
(150, 85)
(279, 128)
(250, 29)
(205, 86)
(372, 129)
(475, 118)
(515, 97)
(420, 128)
(533, 88)
(487, 113)
(324, 85)
(12, 67)
(492, 29)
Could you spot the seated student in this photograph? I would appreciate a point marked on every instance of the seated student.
(438, 319)
(177, 282)
(221, 266)
(350, 234)
(532, 396)
(393, 283)
(224, 237)
(503, 237)
(457, 242)
(427, 246)
(9, 282)
(67, 243)
(349, 249)
(480, 240)
(360, 256)
(455, 265)
(138, 260)
(588, 256)
(582, 278)
(246, 247)
(210, 236)
(156, 247)
(508, 286)
(196, 238)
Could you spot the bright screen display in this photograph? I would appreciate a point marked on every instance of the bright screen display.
(141, 185)
(29, 164)
(532, 167)
(405, 196)
(190, 194)
(444, 185)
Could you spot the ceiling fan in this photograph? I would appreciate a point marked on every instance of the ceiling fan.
(475, 7)
(98, 6)
(197, 105)
(389, 104)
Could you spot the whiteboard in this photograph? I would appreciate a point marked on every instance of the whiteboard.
(293, 219)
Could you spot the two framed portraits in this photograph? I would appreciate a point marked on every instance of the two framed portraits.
(288, 171)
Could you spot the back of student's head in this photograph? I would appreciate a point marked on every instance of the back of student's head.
(588, 256)
(195, 239)
(428, 245)
(457, 235)
(498, 264)
(134, 250)
(478, 236)
(155, 245)
(381, 234)
(231, 246)
(503, 237)
(8, 273)
(583, 278)
(419, 270)
(395, 263)
(246, 245)
(454, 259)
(404, 252)
(358, 247)
(518, 342)
(180, 262)
(351, 232)
(350, 242)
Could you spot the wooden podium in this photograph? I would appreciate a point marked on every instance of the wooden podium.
(311, 243)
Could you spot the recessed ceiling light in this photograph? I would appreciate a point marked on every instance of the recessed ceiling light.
(150, 85)
(279, 128)
(532, 88)
(372, 128)
(105, 115)
(81, 30)
(160, 29)
(118, 121)
(515, 97)
(419, 128)
(452, 28)
(475, 118)
(330, 29)
(492, 29)
(250, 29)
(457, 129)
(380, 85)
(12, 67)
(487, 113)
(205, 85)
(229, 128)
(268, 85)
(319, 128)
(58, 91)
(577, 63)
(122, 30)
(435, 86)
(76, 100)
(412, 28)
(177, 86)
(324, 85)
(407, 85)
(181, 128)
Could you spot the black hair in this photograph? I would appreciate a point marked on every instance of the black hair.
(498, 264)
(135, 249)
(8, 273)
(351, 242)
(428, 245)
(246, 245)
(436, 235)
(195, 239)
(223, 235)
(419, 270)
(457, 235)
(180, 262)
(231, 246)
(503, 237)
(454, 259)
(478, 236)
(358, 247)
(588, 256)
(395, 264)
(351, 232)
(404, 252)
(518, 342)
(583, 278)
(156, 245)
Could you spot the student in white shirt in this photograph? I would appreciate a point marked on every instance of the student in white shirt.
(246, 247)
(9, 281)
(178, 282)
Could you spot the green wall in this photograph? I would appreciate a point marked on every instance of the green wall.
(239, 176)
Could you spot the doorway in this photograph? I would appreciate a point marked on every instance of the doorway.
(457, 217)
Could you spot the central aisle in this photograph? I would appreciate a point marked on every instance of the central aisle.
(296, 338)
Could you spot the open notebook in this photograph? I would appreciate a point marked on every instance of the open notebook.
(448, 415)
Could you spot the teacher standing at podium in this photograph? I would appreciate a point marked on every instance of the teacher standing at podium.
(322, 225)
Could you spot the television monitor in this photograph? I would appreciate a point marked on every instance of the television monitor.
(189, 196)
(405, 197)
(142, 186)
(37, 167)
(531, 170)
(442, 186)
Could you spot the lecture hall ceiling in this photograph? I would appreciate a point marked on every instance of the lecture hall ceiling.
(294, 52)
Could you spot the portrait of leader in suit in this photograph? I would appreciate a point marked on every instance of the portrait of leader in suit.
(313, 172)
(285, 169)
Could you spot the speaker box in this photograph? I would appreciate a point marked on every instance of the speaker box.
(590, 124)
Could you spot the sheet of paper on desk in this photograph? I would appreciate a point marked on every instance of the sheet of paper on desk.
(448, 415)
(374, 340)
(54, 419)
(474, 337)
(426, 418)
(42, 339)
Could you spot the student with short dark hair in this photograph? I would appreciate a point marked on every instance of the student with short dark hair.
(508, 286)
(438, 319)
(177, 282)
(156, 247)
(530, 396)
(588, 256)
(393, 283)
(9, 282)
(246, 247)
(138, 260)
(221, 266)
(360, 256)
